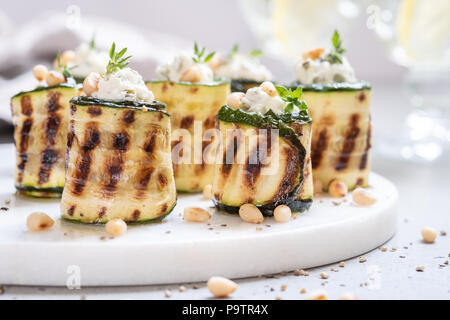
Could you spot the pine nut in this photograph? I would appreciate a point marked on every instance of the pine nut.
(193, 214)
(116, 227)
(221, 287)
(192, 74)
(268, 88)
(39, 72)
(282, 214)
(348, 296)
(250, 213)
(337, 189)
(90, 83)
(39, 221)
(207, 192)
(317, 295)
(313, 54)
(54, 78)
(363, 197)
(429, 234)
(67, 56)
(234, 100)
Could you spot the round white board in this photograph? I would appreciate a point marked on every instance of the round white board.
(176, 251)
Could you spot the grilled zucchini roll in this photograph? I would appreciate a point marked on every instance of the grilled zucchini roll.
(193, 98)
(257, 165)
(40, 120)
(118, 151)
(341, 139)
(244, 70)
(118, 163)
(340, 108)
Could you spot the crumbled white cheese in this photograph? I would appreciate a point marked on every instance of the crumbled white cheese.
(320, 71)
(174, 70)
(125, 84)
(257, 100)
(88, 60)
(243, 67)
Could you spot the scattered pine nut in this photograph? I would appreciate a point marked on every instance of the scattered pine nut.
(207, 192)
(234, 100)
(90, 83)
(250, 213)
(429, 234)
(383, 249)
(323, 275)
(317, 295)
(40, 71)
(443, 233)
(420, 268)
(306, 274)
(194, 214)
(182, 289)
(348, 296)
(337, 189)
(116, 227)
(144, 109)
(342, 264)
(278, 298)
(221, 287)
(283, 287)
(168, 293)
(54, 78)
(298, 272)
(303, 291)
(362, 260)
(39, 221)
(313, 54)
(363, 197)
(282, 214)
(269, 88)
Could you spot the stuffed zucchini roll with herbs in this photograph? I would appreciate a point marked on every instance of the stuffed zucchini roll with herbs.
(340, 108)
(118, 152)
(193, 98)
(40, 119)
(244, 70)
(264, 155)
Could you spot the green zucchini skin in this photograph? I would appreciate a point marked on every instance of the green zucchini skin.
(332, 87)
(91, 101)
(43, 88)
(296, 199)
(40, 192)
(242, 85)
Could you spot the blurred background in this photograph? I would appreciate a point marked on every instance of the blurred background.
(401, 47)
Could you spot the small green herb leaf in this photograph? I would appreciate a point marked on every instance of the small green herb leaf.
(336, 55)
(292, 98)
(92, 42)
(199, 53)
(65, 70)
(116, 61)
(255, 53)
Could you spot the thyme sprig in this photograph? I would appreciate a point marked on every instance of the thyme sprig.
(116, 61)
(292, 98)
(64, 69)
(199, 53)
(336, 55)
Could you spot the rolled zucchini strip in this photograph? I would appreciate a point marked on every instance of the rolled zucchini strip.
(341, 139)
(40, 120)
(242, 85)
(118, 162)
(192, 108)
(253, 166)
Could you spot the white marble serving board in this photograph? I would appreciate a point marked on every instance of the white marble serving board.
(175, 251)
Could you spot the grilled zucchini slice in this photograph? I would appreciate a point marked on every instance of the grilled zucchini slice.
(245, 173)
(192, 106)
(341, 139)
(118, 162)
(40, 120)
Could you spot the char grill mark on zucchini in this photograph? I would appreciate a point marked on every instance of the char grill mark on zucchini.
(27, 110)
(127, 171)
(349, 143)
(363, 163)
